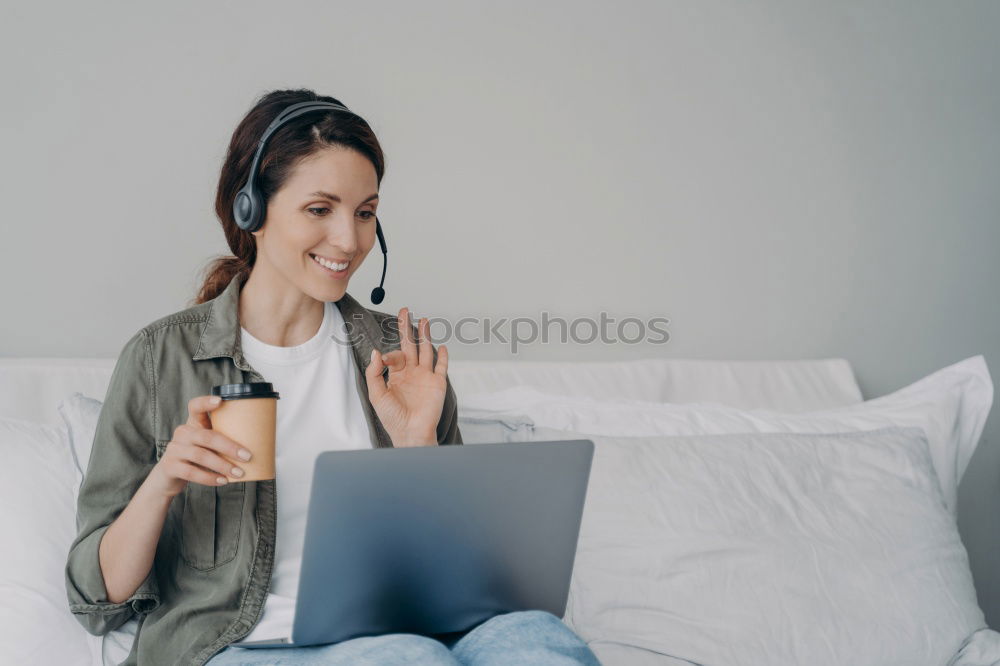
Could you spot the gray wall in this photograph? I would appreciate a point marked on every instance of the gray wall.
(781, 180)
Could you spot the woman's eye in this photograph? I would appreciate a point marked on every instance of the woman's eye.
(367, 214)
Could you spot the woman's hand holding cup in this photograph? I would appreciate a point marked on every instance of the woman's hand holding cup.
(195, 452)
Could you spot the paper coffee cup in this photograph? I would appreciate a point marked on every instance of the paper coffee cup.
(248, 415)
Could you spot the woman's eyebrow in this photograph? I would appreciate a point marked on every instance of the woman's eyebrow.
(334, 197)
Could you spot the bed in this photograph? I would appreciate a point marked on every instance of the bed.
(738, 512)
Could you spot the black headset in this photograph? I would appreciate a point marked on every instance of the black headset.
(248, 207)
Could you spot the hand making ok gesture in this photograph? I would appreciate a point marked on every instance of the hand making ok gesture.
(409, 404)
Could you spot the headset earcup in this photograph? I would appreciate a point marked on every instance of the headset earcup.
(247, 210)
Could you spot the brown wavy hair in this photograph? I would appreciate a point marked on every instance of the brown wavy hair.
(291, 143)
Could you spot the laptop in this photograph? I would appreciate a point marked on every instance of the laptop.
(437, 539)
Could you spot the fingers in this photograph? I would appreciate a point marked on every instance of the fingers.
(426, 354)
(198, 409)
(406, 342)
(216, 441)
(182, 467)
(212, 461)
(204, 449)
(411, 352)
(195, 474)
(373, 377)
(441, 367)
(394, 360)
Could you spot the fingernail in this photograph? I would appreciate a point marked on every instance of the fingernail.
(216, 400)
(243, 453)
(223, 480)
(372, 357)
(237, 471)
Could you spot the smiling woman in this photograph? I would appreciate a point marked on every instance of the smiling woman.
(311, 236)
(319, 176)
(220, 565)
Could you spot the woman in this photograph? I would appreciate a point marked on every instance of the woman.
(166, 530)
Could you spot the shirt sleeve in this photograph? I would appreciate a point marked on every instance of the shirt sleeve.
(447, 430)
(123, 453)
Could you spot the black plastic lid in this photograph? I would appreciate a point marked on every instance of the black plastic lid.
(252, 390)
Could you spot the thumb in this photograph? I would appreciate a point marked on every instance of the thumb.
(200, 408)
(394, 360)
(373, 376)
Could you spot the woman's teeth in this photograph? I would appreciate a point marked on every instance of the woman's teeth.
(329, 264)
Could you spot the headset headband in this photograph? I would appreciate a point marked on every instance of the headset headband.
(293, 111)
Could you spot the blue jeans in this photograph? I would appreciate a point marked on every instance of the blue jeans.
(522, 637)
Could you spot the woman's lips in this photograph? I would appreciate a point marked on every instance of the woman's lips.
(328, 272)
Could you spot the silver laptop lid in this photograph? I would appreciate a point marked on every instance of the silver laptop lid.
(436, 539)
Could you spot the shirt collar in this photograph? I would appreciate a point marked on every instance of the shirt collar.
(220, 334)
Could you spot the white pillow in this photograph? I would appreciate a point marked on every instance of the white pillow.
(484, 429)
(39, 484)
(80, 413)
(787, 386)
(778, 549)
(950, 405)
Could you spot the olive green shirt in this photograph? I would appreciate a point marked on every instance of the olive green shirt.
(213, 562)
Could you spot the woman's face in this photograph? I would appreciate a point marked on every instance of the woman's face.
(325, 209)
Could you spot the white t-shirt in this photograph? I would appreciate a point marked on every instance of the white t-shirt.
(319, 409)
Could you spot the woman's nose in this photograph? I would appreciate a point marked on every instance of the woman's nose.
(344, 236)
